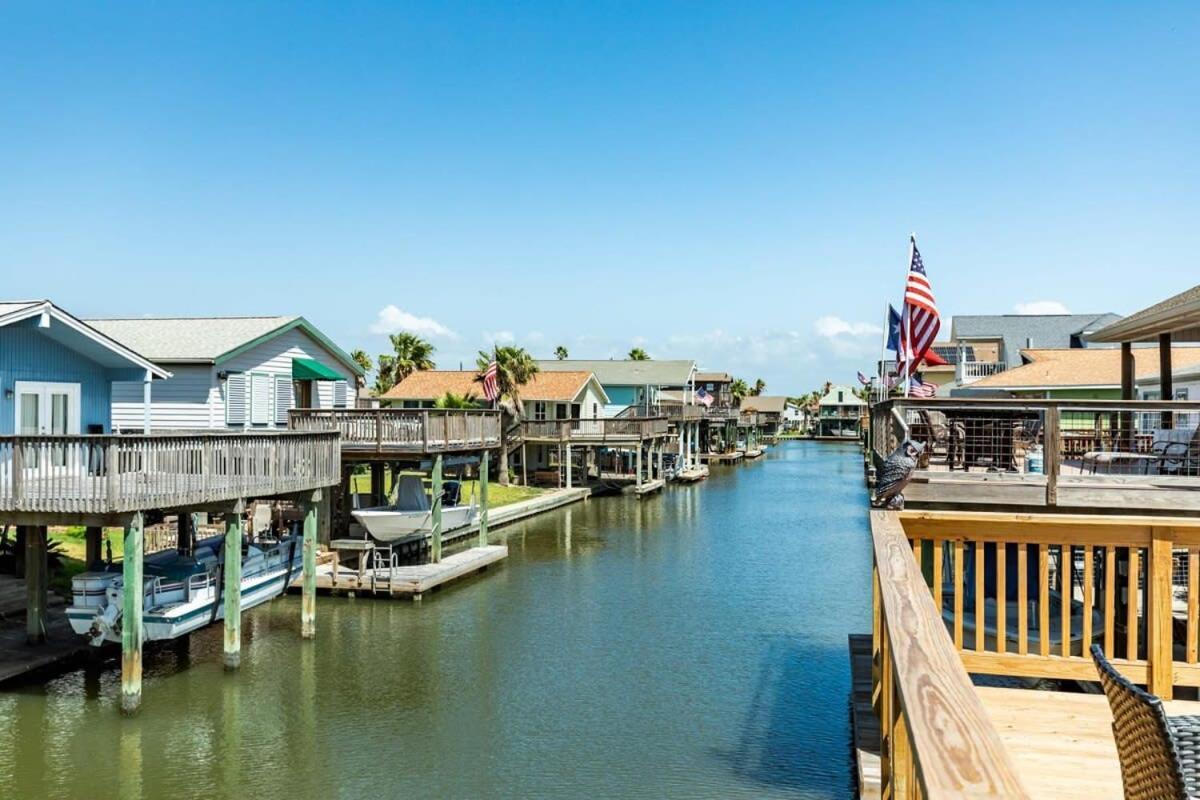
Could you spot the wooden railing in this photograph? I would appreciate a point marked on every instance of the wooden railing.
(595, 430)
(1048, 586)
(1082, 454)
(108, 474)
(402, 430)
(937, 740)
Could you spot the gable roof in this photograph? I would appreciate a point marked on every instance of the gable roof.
(209, 340)
(625, 372)
(430, 384)
(713, 377)
(1017, 331)
(1091, 368)
(79, 335)
(1178, 315)
(766, 403)
(849, 398)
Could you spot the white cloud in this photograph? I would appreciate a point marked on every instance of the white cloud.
(393, 320)
(1041, 307)
(499, 337)
(832, 327)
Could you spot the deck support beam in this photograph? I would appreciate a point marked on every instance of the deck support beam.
(36, 578)
(567, 447)
(233, 588)
(638, 466)
(435, 544)
(378, 494)
(483, 498)
(308, 584)
(92, 553)
(1166, 381)
(132, 596)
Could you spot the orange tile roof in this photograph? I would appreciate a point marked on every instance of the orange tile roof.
(1083, 367)
(434, 383)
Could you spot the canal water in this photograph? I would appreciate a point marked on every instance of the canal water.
(691, 645)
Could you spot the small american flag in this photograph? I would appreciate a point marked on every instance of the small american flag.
(704, 397)
(921, 319)
(917, 387)
(491, 382)
(863, 379)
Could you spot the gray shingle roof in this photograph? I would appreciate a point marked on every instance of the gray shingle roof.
(653, 372)
(1019, 331)
(768, 404)
(187, 339)
(1176, 314)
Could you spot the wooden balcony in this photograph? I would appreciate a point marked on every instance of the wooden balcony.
(73, 479)
(612, 431)
(1023, 596)
(391, 432)
(1079, 455)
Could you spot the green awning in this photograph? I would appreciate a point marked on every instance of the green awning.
(305, 369)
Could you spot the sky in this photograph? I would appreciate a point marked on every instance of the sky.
(729, 182)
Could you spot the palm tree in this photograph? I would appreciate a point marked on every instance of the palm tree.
(739, 389)
(759, 386)
(560, 353)
(410, 353)
(364, 362)
(452, 400)
(638, 354)
(514, 368)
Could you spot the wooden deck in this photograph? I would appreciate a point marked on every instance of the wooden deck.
(863, 719)
(647, 487)
(407, 581)
(1062, 742)
(383, 433)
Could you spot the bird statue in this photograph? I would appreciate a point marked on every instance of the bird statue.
(894, 475)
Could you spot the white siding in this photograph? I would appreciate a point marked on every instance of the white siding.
(194, 397)
(186, 400)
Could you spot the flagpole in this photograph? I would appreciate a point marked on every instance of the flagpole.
(887, 328)
(912, 242)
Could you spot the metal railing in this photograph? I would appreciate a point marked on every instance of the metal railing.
(112, 474)
(403, 430)
(1070, 452)
(595, 430)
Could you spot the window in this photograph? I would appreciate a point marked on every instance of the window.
(539, 411)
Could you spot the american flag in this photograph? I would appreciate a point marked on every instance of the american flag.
(863, 379)
(704, 397)
(921, 320)
(491, 382)
(917, 387)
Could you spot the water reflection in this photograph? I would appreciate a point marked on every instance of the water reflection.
(689, 644)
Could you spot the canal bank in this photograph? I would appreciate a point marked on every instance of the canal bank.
(693, 646)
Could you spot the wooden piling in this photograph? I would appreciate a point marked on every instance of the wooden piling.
(483, 499)
(308, 589)
(92, 549)
(131, 617)
(233, 588)
(435, 546)
(36, 578)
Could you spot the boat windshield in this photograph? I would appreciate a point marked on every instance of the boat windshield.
(410, 494)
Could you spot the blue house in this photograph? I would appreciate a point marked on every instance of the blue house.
(57, 372)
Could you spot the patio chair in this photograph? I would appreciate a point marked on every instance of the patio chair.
(1160, 755)
(1165, 457)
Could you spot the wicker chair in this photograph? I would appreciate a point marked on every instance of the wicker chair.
(1160, 755)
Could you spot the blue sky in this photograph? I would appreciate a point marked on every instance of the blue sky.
(733, 182)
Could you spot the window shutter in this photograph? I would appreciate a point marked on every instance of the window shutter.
(235, 399)
(260, 399)
(284, 398)
(339, 394)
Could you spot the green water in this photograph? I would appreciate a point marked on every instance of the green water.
(690, 645)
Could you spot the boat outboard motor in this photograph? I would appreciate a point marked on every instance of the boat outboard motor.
(451, 493)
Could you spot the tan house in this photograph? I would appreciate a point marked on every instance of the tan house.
(1066, 374)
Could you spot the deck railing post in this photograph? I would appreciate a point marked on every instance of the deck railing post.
(132, 595)
(1052, 455)
(379, 430)
(18, 472)
(1159, 647)
(112, 463)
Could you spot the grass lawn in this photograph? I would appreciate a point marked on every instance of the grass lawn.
(497, 495)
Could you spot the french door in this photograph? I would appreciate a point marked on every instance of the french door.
(47, 409)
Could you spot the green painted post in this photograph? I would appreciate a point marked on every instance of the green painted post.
(435, 552)
(308, 590)
(132, 594)
(233, 590)
(483, 499)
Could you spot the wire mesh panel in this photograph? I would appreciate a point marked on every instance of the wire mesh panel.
(1122, 440)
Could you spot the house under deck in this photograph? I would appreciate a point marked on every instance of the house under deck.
(645, 436)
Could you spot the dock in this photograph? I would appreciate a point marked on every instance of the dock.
(19, 660)
(645, 487)
(863, 720)
(721, 458)
(408, 581)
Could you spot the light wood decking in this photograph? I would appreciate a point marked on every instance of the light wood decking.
(1061, 743)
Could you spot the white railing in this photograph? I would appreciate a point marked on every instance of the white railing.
(968, 371)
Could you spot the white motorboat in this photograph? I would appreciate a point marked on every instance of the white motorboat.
(412, 514)
(181, 593)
